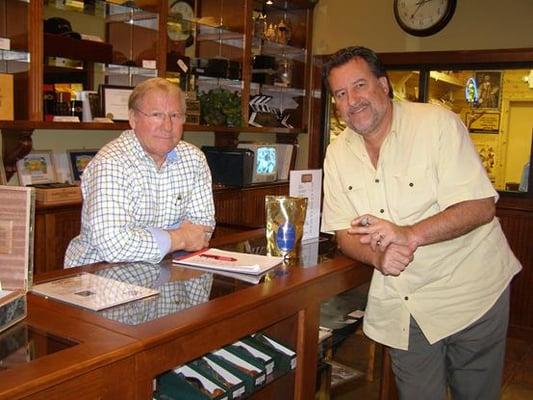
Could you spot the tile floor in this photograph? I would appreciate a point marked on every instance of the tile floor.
(517, 379)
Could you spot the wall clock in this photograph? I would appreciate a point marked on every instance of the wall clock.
(181, 17)
(423, 17)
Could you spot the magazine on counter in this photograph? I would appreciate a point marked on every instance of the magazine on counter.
(92, 291)
(229, 261)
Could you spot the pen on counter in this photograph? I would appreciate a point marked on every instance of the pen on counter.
(219, 258)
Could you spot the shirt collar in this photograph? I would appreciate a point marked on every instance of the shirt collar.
(171, 157)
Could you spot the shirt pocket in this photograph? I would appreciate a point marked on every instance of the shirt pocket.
(174, 208)
(414, 193)
(357, 196)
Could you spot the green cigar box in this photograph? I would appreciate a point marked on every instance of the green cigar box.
(252, 376)
(184, 383)
(233, 385)
(284, 357)
(252, 354)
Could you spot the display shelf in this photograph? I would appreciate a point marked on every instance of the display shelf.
(118, 42)
(275, 49)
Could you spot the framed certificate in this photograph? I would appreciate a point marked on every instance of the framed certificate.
(78, 160)
(36, 168)
(115, 101)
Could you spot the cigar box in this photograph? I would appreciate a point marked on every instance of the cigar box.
(221, 376)
(16, 252)
(253, 375)
(57, 193)
(284, 358)
(186, 383)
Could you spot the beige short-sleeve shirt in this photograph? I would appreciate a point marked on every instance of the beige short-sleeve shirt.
(426, 164)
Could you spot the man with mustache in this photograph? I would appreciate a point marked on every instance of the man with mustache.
(147, 193)
(405, 191)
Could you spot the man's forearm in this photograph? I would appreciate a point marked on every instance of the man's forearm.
(453, 222)
(351, 247)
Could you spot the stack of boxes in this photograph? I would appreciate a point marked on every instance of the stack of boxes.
(236, 370)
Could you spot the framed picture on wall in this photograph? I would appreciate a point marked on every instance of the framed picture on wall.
(489, 85)
(36, 168)
(78, 160)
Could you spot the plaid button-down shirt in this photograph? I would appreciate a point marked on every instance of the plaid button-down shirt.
(128, 200)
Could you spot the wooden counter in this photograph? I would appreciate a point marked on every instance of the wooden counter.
(98, 364)
(287, 306)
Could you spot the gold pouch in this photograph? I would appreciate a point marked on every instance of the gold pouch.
(285, 217)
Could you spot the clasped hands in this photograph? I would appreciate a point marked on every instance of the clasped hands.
(393, 246)
(190, 237)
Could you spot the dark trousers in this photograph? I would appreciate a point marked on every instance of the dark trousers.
(469, 363)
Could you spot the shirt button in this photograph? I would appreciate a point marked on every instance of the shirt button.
(382, 211)
(411, 184)
(349, 188)
(376, 180)
(406, 298)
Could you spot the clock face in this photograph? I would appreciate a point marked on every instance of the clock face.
(181, 15)
(423, 17)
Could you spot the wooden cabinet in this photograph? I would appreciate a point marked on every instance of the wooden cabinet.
(245, 207)
(55, 226)
(516, 217)
(255, 52)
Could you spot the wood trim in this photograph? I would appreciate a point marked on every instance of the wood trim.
(35, 44)
(462, 57)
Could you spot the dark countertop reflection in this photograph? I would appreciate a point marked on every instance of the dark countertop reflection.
(181, 287)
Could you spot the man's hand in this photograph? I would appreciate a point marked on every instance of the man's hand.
(393, 260)
(380, 233)
(190, 237)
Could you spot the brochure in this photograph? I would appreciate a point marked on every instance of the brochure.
(92, 291)
(230, 261)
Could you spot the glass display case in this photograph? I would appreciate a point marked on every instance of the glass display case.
(244, 65)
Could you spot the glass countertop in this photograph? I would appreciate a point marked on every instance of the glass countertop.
(23, 343)
(181, 287)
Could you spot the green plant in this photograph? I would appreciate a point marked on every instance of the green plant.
(220, 107)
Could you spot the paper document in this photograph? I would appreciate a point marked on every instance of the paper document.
(92, 291)
(230, 261)
(308, 183)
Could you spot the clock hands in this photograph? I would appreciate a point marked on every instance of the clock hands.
(419, 4)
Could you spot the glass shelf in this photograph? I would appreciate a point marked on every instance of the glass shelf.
(10, 55)
(275, 49)
(99, 8)
(113, 69)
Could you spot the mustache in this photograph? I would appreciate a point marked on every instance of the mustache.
(358, 106)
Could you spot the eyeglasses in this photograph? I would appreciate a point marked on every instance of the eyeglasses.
(160, 116)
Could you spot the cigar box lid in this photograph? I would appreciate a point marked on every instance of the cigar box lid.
(16, 237)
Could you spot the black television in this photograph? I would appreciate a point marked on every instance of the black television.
(230, 166)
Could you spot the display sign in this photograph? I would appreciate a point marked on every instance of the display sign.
(483, 121)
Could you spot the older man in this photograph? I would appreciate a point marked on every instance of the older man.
(148, 192)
